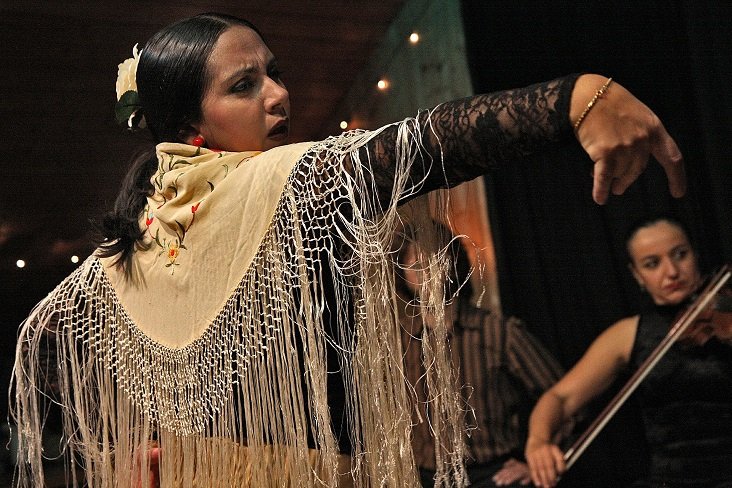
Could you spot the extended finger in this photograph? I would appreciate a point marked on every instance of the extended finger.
(559, 463)
(548, 476)
(602, 175)
(667, 153)
(534, 471)
(546, 472)
(636, 167)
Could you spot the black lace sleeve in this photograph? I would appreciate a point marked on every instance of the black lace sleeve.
(474, 135)
(450, 144)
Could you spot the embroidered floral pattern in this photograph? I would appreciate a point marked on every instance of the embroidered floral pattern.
(175, 177)
(173, 251)
(169, 246)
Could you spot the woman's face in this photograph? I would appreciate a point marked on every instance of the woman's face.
(664, 262)
(411, 272)
(246, 106)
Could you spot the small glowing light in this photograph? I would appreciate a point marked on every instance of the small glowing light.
(383, 84)
(344, 124)
(414, 38)
(20, 263)
(74, 259)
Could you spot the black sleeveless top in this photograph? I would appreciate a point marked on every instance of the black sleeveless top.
(687, 407)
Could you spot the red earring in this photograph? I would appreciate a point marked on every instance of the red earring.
(198, 141)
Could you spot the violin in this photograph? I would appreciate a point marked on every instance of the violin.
(708, 316)
(714, 321)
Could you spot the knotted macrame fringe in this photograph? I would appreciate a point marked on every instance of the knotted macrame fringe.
(245, 404)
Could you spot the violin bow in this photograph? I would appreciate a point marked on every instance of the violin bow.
(678, 329)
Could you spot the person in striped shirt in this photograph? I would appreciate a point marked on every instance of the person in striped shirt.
(503, 368)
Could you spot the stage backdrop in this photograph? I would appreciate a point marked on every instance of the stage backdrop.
(420, 74)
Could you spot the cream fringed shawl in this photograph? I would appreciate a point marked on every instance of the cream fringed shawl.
(214, 347)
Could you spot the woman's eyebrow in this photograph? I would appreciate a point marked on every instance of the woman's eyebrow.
(243, 71)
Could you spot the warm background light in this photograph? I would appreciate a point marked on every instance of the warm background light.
(344, 125)
(74, 259)
(382, 84)
(414, 38)
(20, 263)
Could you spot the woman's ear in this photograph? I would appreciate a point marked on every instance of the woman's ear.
(188, 133)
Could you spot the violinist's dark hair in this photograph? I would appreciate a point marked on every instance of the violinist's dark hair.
(649, 221)
(171, 81)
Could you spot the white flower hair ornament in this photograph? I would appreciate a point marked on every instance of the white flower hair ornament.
(128, 110)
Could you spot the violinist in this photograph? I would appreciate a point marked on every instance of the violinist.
(686, 399)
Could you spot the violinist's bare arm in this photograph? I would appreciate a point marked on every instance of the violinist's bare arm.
(591, 376)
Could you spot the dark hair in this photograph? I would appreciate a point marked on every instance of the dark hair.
(171, 81)
(649, 221)
(172, 75)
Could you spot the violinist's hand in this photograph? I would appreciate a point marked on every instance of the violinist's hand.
(723, 327)
(546, 462)
(714, 321)
(717, 324)
(512, 471)
(722, 320)
(620, 134)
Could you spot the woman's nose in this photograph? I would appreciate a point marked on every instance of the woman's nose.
(672, 269)
(276, 96)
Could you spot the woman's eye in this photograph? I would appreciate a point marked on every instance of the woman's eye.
(243, 85)
(650, 264)
(681, 254)
(275, 74)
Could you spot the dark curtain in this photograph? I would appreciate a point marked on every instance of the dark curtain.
(560, 256)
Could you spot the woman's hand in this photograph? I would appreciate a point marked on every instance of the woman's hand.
(546, 462)
(153, 471)
(512, 471)
(619, 134)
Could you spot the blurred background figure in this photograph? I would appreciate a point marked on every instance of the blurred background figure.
(502, 367)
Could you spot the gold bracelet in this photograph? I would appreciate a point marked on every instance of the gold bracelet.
(598, 94)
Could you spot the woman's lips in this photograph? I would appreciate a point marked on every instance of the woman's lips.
(279, 131)
(673, 287)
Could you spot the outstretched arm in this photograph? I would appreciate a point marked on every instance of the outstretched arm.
(469, 137)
